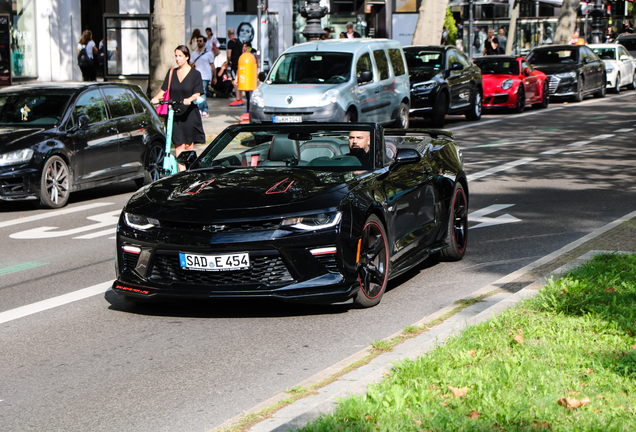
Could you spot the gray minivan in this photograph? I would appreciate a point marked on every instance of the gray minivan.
(339, 80)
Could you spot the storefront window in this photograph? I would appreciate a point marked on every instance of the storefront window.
(127, 45)
(23, 54)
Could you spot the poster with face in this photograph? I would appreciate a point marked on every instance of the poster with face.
(246, 28)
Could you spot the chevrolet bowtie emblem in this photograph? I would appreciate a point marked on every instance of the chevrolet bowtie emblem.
(289, 99)
(213, 228)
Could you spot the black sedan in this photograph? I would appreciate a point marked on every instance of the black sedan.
(443, 81)
(573, 70)
(58, 138)
(313, 213)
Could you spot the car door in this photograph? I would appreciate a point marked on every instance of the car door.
(367, 93)
(626, 65)
(131, 127)
(384, 91)
(95, 144)
(593, 68)
(530, 80)
(458, 78)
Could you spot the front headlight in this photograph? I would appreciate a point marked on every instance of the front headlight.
(140, 222)
(425, 86)
(506, 84)
(609, 70)
(257, 98)
(313, 222)
(329, 97)
(16, 157)
(566, 75)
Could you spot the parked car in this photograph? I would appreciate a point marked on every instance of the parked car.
(619, 65)
(443, 81)
(296, 213)
(350, 80)
(63, 137)
(628, 40)
(574, 70)
(511, 82)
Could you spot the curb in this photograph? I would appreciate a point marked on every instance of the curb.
(297, 414)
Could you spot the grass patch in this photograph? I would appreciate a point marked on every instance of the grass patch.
(562, 361)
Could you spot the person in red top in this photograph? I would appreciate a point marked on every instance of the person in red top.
(234, 51)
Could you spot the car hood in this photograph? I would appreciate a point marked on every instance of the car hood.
(252, 192)
(10, 137)
(551, 69)
(422, 76)
(294, 95)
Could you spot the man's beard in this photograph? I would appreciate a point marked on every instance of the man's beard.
(357, 152)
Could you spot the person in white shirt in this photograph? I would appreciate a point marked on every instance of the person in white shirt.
(86, 42)
(212, 41)
(204, 62)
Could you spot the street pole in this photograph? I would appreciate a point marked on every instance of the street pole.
(597, 14)
(470, 30)
(260, 35)
(313, 12)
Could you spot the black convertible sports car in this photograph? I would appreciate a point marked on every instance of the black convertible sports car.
(313, 213)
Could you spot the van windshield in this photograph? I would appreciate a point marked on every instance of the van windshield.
(312, 68)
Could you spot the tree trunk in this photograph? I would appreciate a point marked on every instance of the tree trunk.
(512, 29)
(567, 22)
(167, 34)
(428, 30)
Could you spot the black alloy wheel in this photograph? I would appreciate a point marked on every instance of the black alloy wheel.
(617, 87)
(632, 85)
(457, 234)
(474, 112)
(402, 120)
(578, 97)
(439, 110)
(373, 264)
(521, 99)
(603, 90)
(154, 166)
(55, 183)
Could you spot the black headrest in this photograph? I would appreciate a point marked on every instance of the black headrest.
(283, 148)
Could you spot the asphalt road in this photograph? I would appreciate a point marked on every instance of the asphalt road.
(89, 361)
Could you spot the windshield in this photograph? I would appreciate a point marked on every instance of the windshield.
(490, 66)
(32, 109)
(341, 150)
(313, 68)
(424, 60)
(605, 53)
(630, 43)
(554, 56)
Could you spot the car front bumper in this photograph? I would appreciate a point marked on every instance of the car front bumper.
(20, 182)
(328, 113)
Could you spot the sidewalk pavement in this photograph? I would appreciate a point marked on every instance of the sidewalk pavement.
(618, 236)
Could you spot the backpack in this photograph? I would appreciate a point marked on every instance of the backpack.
(83, 60)
(101, 55)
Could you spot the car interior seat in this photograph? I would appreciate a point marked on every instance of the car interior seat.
(282, 149)
(318, 148)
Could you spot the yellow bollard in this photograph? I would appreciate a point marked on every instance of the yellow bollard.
(247, 72)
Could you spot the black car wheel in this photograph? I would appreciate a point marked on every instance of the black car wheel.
(617, 87)
(578, 97)
(373, 263)
(439, 111)
(601, 92)
(55, 183)
(474, 112)
(545, 97)
(402, 120)
(521, 99)
(632, 85)
(154, 166)
(456, 237)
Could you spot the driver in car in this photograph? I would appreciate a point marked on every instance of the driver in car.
(360, 146)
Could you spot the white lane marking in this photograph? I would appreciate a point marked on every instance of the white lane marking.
(104, 220)
(499, 168)
(480, 216)
(54, 302)
(586, 151)
(623, 130)
(97, 234)
(506, 143)
(600, 137)
(579, 143)
(470, 125)
(553, 151)
(52, 213)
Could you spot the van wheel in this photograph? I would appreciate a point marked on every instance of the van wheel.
(402, 120)
(350, 117)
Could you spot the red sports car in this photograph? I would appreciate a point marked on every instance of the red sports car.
(511, 82)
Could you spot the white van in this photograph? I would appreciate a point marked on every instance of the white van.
(339, 80)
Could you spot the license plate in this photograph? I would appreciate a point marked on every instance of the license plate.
(225, 262)
(288, 119)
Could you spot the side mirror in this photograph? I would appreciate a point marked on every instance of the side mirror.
(83, 121)
(365, 76)
(457, 66)
(526, 71)
(262, 76)
(405, 156)
(187, 158)
(624, 57)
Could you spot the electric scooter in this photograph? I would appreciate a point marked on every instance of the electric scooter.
(169, 160)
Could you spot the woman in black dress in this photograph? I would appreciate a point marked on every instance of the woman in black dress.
(186, 86)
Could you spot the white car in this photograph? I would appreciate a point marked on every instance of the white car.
(619, 65)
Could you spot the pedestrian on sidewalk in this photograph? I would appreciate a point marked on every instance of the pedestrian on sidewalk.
(224, 81)
(192, 43)
(186, 86)
(204, 63)
(234, 51)
(87, 48)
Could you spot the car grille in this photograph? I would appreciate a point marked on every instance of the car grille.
(224, 227)
(554, 83)
(129, 260)
(269, 271)
(329, 262)
(496, 100)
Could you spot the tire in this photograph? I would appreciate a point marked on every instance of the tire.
(55, 183)
(521, 100)
(632, 85)
(474, 112)
(578, 97)
(402, 120)
(373, 265)
(603, 90)
(545, 97)
(439, 111)
(457, 231)
(617, 87)
(154, 166)
(350, 117)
